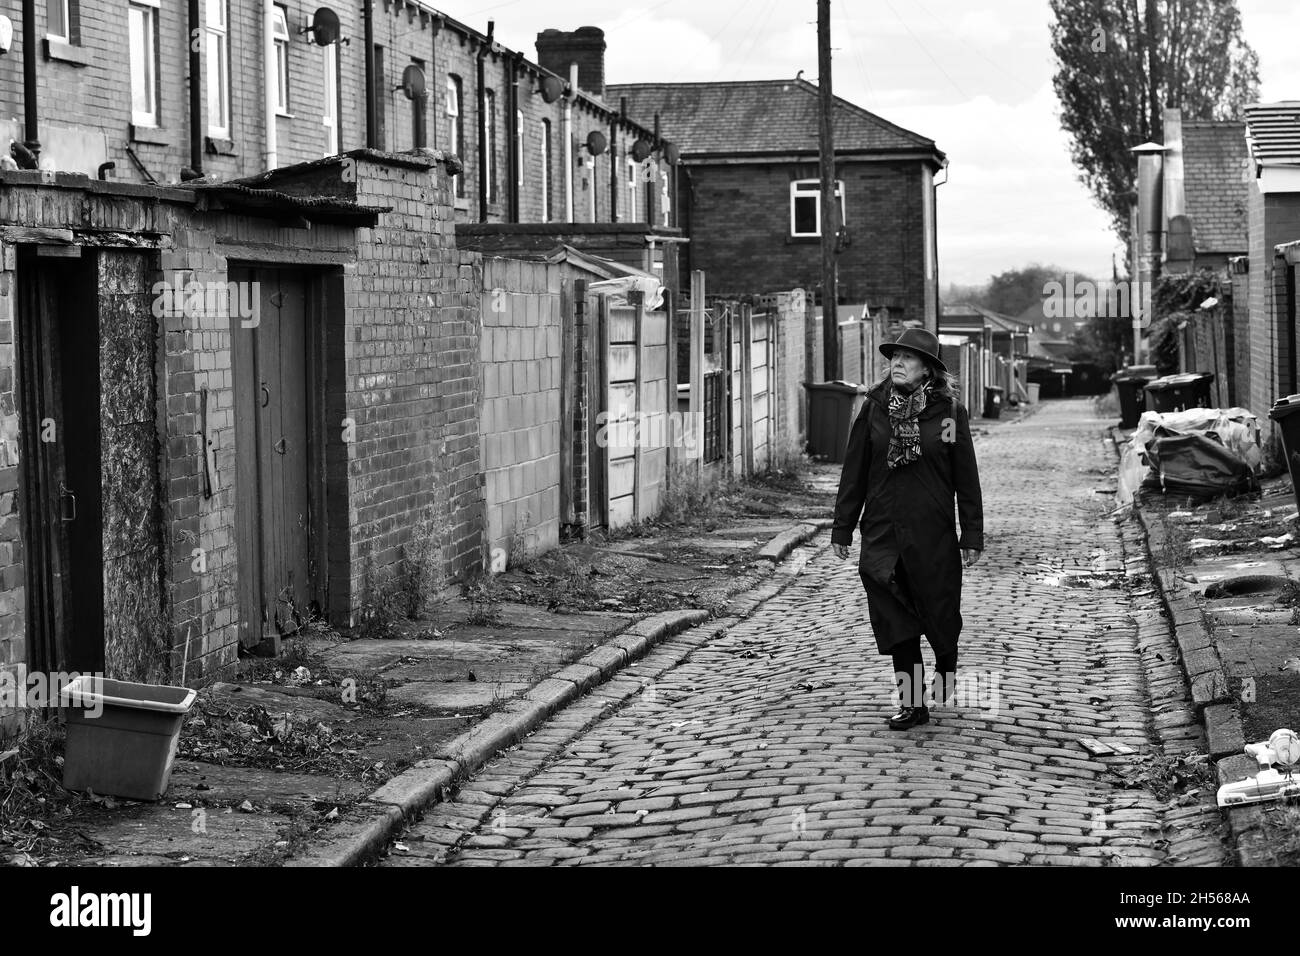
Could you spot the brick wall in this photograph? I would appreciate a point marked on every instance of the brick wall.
(85, 105)
(402, 364)
(740, 233)
(1274, 220)
(519, 417)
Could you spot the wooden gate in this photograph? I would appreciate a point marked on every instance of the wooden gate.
(279, 480)
(632, 433)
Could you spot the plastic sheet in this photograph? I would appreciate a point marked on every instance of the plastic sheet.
(1234, 429)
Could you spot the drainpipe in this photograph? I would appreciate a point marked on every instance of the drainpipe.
(435, 24)
(568, 142)
(33, 141)
(196, 91)
(650, 185)
(268, 69)
(372, 133)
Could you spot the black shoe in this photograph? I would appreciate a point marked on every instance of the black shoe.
(909, 717)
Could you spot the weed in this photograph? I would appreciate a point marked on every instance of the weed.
(521, 554)
(422, 575)
(482, 592)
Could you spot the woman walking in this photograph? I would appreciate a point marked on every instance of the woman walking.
(909, 454)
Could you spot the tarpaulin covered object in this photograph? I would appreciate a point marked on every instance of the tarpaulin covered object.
(1234, 431)
(1196, 464)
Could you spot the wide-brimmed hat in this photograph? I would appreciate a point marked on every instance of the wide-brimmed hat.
(918, 340)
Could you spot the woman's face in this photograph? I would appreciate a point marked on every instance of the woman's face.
(906, 368)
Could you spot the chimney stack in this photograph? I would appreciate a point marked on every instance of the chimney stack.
(585, 46)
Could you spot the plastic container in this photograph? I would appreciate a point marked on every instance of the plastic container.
(1033, 389)
(992, 401)
(1176, 393)
(126, 749)
(1130, 383)
(832, 406)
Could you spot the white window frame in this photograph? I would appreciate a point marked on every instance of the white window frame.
(633, 185)
(812, 188)
(487, 129)
(66, 7)
(455, 104)
(330, 115)
(216, 36)
(519, 147)
(547, 159)
(279, 21)
(146, 59)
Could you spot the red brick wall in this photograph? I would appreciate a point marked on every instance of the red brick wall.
(740, 233)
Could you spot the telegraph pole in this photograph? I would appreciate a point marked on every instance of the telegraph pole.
(830, 207)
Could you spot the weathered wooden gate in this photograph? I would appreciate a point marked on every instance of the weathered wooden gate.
(278, 380)
(632, 427)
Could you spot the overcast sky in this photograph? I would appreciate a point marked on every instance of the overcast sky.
(974, 77)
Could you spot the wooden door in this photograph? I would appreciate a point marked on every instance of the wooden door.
(57, 338)
(278, 587)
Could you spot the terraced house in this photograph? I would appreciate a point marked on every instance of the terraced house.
(239, 341)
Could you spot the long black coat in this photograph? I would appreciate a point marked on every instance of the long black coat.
(909, 515)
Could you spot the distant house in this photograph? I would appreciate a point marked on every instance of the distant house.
(748, 191)
(1206, 192)
(1273, 136)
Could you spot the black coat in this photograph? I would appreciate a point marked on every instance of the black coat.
(908, 514)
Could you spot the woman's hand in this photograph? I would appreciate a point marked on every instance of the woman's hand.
(969, 556)
(841, 550)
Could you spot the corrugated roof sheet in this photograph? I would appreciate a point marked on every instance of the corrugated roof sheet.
(1273, 130)
(758, 116)
(1215, 157)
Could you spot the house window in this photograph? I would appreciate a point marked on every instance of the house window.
(280, 36)
(490, 138)
(381, 100)
(217, 47)
(547, 158)
(456, 119)
(633, 186)
(142, 30)
(330, 117)
(418, 105)
(805, 206)
(58, 20)
(519, 148)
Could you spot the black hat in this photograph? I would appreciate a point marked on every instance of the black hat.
(918, 340)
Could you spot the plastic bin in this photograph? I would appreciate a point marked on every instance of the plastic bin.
(832, 406)
(1176, 393)
(992, 401)
(1286, 412)
(1033, 389)
(1130, 383)
(128, 748)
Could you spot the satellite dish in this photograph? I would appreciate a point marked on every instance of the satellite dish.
(672, 154)
(640, 151)
(596, 142)
(412, 82)
(552, 88)
(324, 26)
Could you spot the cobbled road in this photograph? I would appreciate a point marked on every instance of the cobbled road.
(761, 739)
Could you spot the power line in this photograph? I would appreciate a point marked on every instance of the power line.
(925, 50)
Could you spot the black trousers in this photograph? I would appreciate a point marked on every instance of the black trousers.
(909, 673)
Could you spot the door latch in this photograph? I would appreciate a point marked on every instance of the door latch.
(280, 446)
(67, 498)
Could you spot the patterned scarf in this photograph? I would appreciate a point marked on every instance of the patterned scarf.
(905, 437)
